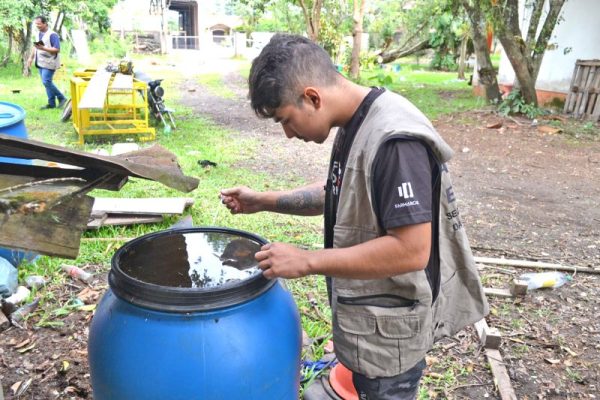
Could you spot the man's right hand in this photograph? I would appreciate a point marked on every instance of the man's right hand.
(241, 200)
(29, 62)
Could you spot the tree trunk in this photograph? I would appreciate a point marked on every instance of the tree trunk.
(394, 54)
(485, 69)
(6, 58)
(537, 53)
(25, 48)
(462, 61)
(526, 55)
(520, 65)
(357, 17)
(312, 18)
(510, 36)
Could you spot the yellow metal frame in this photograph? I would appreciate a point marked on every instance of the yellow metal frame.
(125, 111)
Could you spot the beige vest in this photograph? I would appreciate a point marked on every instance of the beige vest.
(45, 59)
(383, 327)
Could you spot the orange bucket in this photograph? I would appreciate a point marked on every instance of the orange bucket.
(340, 379)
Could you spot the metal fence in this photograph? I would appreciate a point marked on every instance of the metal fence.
(185, 42)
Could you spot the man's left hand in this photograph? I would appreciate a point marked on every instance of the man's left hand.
(281, 260)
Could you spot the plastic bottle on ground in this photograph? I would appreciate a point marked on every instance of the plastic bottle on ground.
(552, 279)
(8, 278)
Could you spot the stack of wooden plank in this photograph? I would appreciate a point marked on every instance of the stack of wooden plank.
(583, 99)
(128, 211)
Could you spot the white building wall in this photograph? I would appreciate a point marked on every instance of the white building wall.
(577, 36)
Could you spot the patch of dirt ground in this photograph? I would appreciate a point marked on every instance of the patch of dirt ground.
(524, 194)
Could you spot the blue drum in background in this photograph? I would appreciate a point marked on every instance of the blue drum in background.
(12, 122)
(188, 315)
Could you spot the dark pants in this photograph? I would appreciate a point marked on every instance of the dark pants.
(400, 387)
(51, 91)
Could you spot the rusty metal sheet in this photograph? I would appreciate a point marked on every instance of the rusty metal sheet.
(154, 163)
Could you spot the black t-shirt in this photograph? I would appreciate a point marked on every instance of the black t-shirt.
(405, 183)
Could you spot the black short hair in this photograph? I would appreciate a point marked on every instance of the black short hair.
(285, 66)
(42, 18)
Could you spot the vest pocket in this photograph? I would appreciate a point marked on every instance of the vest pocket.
(378, 341)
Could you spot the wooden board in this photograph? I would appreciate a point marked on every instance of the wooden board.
(95, 91)
(149, 206)
(501, 378)
(497, 292)
(131, 220)
(123, 220)
(122, 82)
(534, 264)
(490, 338)
(96, 222)
(55, 232)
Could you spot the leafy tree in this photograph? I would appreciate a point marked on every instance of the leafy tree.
(525, 55)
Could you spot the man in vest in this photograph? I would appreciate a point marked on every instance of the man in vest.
(47, 61)
(398, 265)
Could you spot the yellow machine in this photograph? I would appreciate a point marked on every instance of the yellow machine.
(123, 111)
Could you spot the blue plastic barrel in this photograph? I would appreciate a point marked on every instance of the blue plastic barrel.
(12, 123)
(230, 335)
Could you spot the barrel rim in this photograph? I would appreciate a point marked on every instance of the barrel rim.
(17, 118)
(185, 300)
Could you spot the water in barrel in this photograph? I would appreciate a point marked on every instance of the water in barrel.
(192, 260)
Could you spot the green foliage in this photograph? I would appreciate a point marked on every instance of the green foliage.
(383, 79)
(336, 23)
(515, 104)
(112, 44)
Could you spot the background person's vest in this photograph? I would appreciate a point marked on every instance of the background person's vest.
(44, 59)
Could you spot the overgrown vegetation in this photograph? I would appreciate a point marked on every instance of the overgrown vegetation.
(515, 104)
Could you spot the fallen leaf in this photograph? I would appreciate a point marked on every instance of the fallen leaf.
(549, 129)
(88, 307)
(568, 350)
(88, 296)
(22, 344)
(15, 387)
(26, 349)
(435, 375)
(431, 360)
(23, 388)
(64, 366)
(551, 361)
(555, 118)
(495, 125)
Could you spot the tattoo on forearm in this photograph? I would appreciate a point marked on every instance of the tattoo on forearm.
(309, 199)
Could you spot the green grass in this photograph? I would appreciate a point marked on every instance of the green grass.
(434, 93)
(214, 83)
